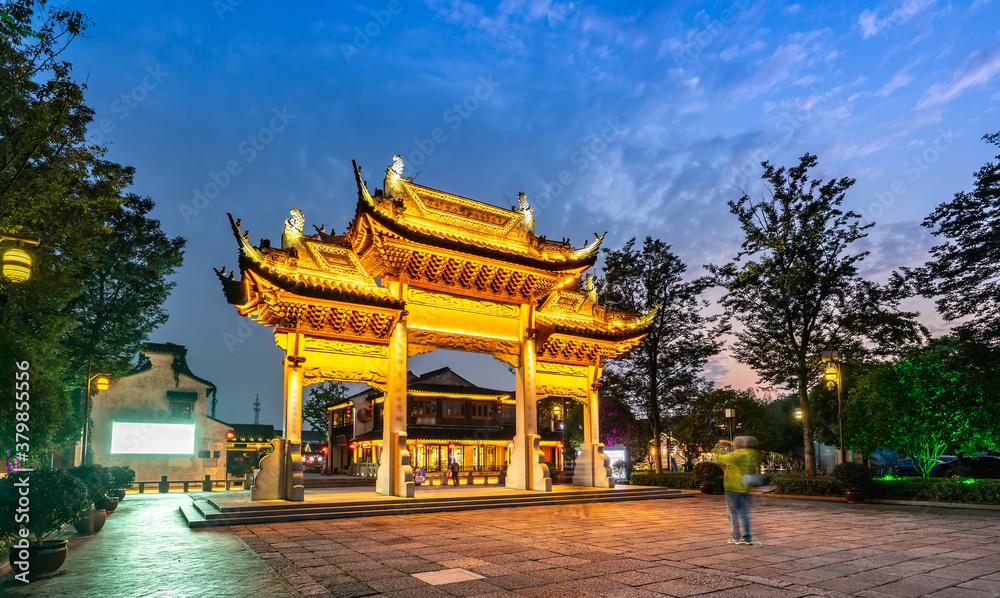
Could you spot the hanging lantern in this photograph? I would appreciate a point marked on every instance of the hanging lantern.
(102, 383)
(17, 264)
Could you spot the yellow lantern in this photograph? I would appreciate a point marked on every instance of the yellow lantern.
(831, 374)
(102, 383)
(17, 264)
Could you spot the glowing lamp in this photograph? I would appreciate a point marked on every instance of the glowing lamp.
(420, 445)
(325, 449)
(451, 446)
(230, 435)
(798, 414)
(17, 264)
(560, 445)
(351, 446)
(510, 446)
(831, 374)
(102, 383)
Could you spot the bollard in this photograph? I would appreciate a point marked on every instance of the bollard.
(164, 484)
(206, 486)
(186, 485)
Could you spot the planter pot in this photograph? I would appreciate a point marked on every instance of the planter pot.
(707, 488)
(120, 494)
(91, 522)
(108, 504)
(854, 496)
(43, 561)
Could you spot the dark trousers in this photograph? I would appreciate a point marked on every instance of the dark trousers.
(736, 508)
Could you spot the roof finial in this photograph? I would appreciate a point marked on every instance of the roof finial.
(527, 212)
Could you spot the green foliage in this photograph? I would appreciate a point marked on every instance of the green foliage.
(55, 497)
(121, 477)
(572, 431)
(937, 490)
(794, 285)
(707, 472)
(96, 478)
(314, 410)
(922, 405)
(57, 188)
(853, 476)
(662, 371)
(685, 481)
(801, 486)
(963, 275)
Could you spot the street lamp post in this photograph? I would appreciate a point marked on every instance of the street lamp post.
(103, 382)
(834, 377)
(730, 418)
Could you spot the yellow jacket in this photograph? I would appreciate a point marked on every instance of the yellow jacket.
(737, 463)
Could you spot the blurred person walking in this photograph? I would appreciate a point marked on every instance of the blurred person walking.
(742, 473)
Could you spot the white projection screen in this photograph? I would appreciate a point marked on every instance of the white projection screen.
(133, 438)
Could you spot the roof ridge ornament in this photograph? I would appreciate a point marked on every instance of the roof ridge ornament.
(394, 179)
(527, 212)
(293, 229)
(363, 195)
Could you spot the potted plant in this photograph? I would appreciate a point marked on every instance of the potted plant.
(96, 479)
(854, 478)
(122, 477)
(54, 499)
(708, 476)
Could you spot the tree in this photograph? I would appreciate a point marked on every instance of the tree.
(58, 189)
(321, 397)
(620, 427)
(922, 404)
(124, 288)
(964, 275)
(664, 367)
(794, 285)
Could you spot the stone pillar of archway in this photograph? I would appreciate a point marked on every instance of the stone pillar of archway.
(527, 469)
(280, 476)
(593, 467)
(395, 473)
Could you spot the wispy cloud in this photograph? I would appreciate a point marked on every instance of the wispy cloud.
(901, 79)
(980, 68)
(872, 24)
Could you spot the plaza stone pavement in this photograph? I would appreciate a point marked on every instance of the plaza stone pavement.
(638, 549)
(630, 549)
(145, 549)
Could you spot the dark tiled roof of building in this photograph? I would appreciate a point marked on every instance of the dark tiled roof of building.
(254, 432)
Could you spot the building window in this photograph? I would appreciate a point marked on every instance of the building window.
(509, 413)
(423, 408)
(454, 409)
(483, 410)
(181, 409)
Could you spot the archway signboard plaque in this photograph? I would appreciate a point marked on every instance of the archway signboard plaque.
(416, 270)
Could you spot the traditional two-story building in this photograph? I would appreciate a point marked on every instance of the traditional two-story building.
(449, 419)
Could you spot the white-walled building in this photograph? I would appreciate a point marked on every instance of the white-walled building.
(156, 420)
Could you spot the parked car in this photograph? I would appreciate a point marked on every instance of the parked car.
(982, 466)
(942, 469)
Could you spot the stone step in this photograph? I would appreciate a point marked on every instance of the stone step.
(194, 516)
(210, 513)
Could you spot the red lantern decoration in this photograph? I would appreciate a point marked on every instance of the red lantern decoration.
(231, 435)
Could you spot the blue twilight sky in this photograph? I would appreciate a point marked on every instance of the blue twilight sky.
(637, 118)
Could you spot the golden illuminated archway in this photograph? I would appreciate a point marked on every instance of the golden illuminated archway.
(419, 269)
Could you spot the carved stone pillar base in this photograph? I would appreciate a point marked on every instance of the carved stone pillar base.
(593, 467)
(295, 489)
(395, 474)
(527, 469)
(268, 481)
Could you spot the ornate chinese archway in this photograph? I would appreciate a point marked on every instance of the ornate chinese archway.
(416, 270)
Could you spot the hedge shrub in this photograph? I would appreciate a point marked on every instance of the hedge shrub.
(801, 486)
(683, 481)
(937, 490)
